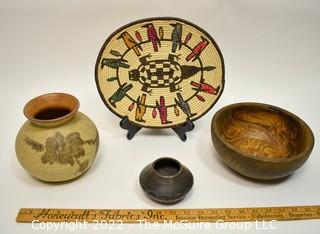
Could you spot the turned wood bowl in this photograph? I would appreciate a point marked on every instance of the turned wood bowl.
(261, 141)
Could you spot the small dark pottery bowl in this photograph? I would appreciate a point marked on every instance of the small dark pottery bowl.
(261, 141)
(166, 180)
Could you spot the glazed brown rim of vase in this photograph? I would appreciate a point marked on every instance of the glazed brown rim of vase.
(168, 159)
(265, 106)
(50, 101)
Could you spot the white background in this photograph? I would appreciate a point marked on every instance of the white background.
(271, 51)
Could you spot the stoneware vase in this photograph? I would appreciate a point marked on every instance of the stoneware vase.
(57, 143)
(166, 180)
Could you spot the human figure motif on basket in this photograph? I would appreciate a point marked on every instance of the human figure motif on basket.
(163, 110)
(141, 108)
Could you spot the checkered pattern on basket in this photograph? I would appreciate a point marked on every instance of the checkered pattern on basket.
(160, 74)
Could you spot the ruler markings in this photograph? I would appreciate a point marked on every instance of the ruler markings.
(28, 215)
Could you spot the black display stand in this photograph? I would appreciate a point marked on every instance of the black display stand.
(181, 130)
(133, 129)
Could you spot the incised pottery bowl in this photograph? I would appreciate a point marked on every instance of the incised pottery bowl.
(261, 141)
(58, 142)
(166, 180)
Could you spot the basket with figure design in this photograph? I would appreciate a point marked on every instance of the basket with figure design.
(160, 73)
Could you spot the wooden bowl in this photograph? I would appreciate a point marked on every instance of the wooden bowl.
(261, 141)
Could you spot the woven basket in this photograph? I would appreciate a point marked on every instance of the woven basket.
(160, 72)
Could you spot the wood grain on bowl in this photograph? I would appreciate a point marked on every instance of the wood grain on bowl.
(263, 133)
(261, 141)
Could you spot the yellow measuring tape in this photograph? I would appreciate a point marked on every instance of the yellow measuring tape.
(28, 215)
